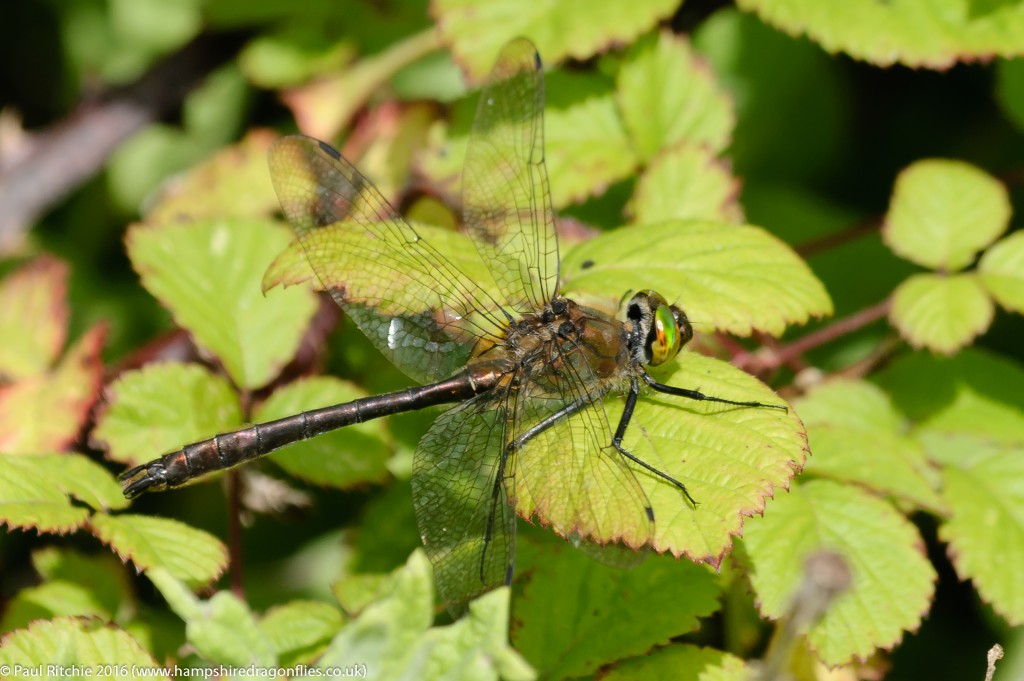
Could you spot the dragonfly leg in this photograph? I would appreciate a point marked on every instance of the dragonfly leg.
(620, 432)
(698, 395)
(510, 449)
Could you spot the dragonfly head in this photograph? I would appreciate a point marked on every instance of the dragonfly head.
(659, 330)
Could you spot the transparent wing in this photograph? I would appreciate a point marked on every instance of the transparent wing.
(505, 193)
(414, 303)
(569, 475)
(462, 508)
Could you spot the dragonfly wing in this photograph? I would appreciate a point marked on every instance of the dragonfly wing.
(412, 301)
(462, 508)
(505, 192)
(569, 475)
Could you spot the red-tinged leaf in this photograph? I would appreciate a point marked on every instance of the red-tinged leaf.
(234, 182)
(46, 412)
(33, 317)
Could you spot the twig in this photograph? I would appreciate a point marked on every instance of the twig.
(831, 241)
(65, 155)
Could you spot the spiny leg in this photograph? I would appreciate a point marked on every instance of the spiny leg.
(699, 396)
(509, 449)
(620, 432)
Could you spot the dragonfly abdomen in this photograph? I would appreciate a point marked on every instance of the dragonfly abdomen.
(227, 450)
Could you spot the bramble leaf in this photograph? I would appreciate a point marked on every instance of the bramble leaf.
(478, 32)
(685, 182)
(610, 614)
(74, 584)
(858, 436)
(667, 96)
(974, 393)
(1001, 271)
(985, 531)
(232, 182)
(893, 582)
(727, 277)
(393, 634)
(917, 33)
(46, 412)
(941, 313)
(191, 555)
(36, 491)
(680, 660)
(730, 458)
(298, 631)
(33, 317)
(161, 407)
(222, 629)
(943, 212)
(70, 641)
(208, 275)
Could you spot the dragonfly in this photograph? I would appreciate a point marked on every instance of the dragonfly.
(527, 369)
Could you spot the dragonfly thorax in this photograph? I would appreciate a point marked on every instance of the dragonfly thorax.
(657, 331)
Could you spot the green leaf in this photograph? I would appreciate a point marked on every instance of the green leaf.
(208, 274)
(384, 632)
(731, 278)
(52, 599)
(943, 212)
(974, 393)
(609, 613)
(893, 582)
(66, 642)
(46, 412)
(292, 53)
(667, 95)
(75, 584)
(475, 647)
(232, 182)
(680, 661)
(1002, 272)
(223, 629)
(33, 317)
(342, 458)
(985, 530)
(920, 33)
(730, 459)
(295, 266)
(35, 491)
(477, 32)
(299, 630)
(161, 407)
(941, 313)
(857, 436)
(185, 552)
(587, 148)
(392, 636)
(686, 183)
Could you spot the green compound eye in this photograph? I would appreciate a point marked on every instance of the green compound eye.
(665, 339)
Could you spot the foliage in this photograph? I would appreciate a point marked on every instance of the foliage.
(757, 180)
